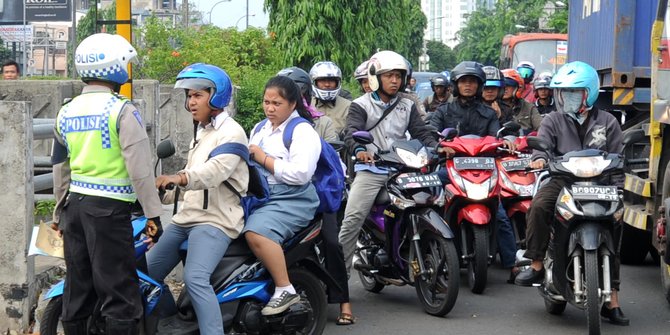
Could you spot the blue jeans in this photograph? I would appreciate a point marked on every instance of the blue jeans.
(206, 247)
(506, 239)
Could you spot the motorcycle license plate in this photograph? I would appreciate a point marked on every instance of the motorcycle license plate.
(415, 180)
(474, 163)
(516, 164)
(594, 192)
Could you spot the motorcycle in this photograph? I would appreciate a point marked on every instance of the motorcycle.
(404, 240)
(586, 231)
(472, 199)
(242, 285)
(516, 186)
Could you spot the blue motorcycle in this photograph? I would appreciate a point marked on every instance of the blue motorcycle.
(242, 285)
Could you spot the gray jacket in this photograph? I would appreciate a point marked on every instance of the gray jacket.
(603, 132)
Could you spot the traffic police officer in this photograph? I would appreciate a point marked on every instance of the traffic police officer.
(102, 165)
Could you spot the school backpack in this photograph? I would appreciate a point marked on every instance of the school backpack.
(328, 178)
(258, 192)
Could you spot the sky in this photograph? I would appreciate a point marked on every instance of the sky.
(227, 13)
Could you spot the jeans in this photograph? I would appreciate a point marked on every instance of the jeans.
(506, 239)
(206, 247)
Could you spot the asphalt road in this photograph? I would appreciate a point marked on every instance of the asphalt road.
(502, 309)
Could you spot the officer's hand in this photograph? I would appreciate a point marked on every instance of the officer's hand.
(54, 226)
(537, 164)
(446, 151)
(365, 157)
(154, 229)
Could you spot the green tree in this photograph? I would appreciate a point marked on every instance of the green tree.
(441, 56)
(344, 31)
(87, 26)
(481, 38)
(559, 20)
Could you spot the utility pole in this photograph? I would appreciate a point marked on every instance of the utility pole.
(247, 27)
(185, 9)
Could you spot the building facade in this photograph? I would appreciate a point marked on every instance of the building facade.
(447, 17)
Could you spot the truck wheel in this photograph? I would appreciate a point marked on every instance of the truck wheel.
(635, 245)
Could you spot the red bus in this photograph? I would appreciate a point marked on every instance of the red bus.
(548, 52)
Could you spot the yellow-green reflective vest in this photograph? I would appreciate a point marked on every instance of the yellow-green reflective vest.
(88, 124)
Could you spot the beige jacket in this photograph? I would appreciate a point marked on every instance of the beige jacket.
(336, 111)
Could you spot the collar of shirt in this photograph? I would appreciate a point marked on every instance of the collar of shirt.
(379, 102)
(95, 89)
(217, 122)
(267, 130)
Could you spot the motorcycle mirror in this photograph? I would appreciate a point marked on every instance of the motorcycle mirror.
(449, 133)
(538, 143)
(363, 137)
(633, 136)
(512, 126)
(165, 149)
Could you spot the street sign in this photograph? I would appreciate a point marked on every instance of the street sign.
(61, 45)
(14, 33)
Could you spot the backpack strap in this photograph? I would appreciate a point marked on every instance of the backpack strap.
(288, 131)
(232, 148)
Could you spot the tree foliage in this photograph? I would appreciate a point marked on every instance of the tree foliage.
(441, 56)
(481, 38)
(248, 57)
(346, 32)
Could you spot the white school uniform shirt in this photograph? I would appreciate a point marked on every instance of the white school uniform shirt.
(297, 166)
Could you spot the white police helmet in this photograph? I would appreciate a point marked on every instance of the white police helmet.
(104, 57)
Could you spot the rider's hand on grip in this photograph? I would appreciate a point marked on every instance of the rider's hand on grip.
(537, 164)
(365, 157)
(446, 151)
(154, 229)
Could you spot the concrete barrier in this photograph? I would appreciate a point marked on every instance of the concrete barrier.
(17, 291)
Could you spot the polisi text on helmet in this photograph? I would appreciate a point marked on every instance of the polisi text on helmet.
(89, 58)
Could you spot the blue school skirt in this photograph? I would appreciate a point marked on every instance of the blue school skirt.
(290, 209)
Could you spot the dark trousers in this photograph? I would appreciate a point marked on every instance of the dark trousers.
(334, 258)
(541, 216)
(100, 260)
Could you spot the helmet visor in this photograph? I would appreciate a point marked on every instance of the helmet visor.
(493, 83)
(194, 84)
(525, 72)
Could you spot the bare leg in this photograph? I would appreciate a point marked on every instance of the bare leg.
(272, 256)
(614, 301)
(536, 265)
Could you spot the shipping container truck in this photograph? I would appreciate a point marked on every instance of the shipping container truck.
(627, 42)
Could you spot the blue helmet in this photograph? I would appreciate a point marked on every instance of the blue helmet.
(200, 76)
(578, 75)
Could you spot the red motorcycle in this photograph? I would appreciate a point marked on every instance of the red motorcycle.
(516, 186)
(472, 200)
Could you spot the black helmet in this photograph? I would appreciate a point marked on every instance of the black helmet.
(300, 77)
(468, 68)
(439, 80)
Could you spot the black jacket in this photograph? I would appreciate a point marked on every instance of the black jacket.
(470, 118)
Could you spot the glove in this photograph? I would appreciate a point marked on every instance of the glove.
(154, 229)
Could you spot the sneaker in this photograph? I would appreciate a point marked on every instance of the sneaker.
(280, 304)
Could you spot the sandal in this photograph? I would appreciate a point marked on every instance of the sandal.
(345, 319)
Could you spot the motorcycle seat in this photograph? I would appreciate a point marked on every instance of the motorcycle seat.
(382, 197)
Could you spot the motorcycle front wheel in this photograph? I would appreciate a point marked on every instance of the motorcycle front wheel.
(311, 292)
(479, 262)
(591, 285)
(51, 319)
(438, 289)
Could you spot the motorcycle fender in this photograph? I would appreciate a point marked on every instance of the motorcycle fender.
(321, 273)
(55, 290)
(477, 214)
(590, 236)
(519, 207)
(428, 219)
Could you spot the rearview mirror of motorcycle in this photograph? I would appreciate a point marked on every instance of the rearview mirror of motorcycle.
(633, 136)
(449, 133)
(509, 128)
(363, 137)
(538, 143)
(165, 149)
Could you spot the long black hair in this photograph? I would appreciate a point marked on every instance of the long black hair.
(290, 91)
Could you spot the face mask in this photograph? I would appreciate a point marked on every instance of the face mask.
(571, 101)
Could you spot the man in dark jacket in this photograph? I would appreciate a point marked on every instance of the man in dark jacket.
(467, 113)
(576, 126)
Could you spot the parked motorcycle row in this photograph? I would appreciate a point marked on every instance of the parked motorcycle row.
(420, 232)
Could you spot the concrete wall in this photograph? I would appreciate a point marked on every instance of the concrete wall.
(16, 206)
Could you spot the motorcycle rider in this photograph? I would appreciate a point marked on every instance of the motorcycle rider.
(576, 126)
(361, 75)
(440, 86)
(388, 116)
(545, 100)
(472, 117)
(521, 111)
(209, 230)
(102, 165)
(494, 87)
(527, 72)
(326, 84)
(322, 123)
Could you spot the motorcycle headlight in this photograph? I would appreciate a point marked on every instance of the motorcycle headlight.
(478, 191)
(586, 167)
(401, 202)
(522, 190)
(416, 161)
